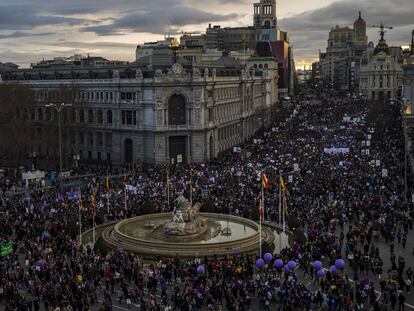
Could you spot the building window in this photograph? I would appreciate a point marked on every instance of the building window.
(90, 139)
(100, 116)
(81, 116)
(99, 156)
(90, 116)
(109, 117)
(89, 155)
(40, 114)
(81, 138)
(176, 110)
(108, 139)
(108, 157)
(99, 138)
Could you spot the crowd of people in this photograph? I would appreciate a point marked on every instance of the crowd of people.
(348, 201)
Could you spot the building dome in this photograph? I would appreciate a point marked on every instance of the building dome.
(382, 46)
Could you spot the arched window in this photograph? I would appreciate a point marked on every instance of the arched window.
(266, 24)
(100, 116)
(176, 110)
(109, 117)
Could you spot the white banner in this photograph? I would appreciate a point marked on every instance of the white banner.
(335, 150)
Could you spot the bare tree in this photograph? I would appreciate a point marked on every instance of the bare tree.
(17, 108)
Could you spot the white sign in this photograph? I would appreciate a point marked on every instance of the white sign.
(296, 167)
(377, 162)
(369, 136)
(367, 151)
(384, 172)
(368, 143)
(179, 158)
(33, 175)
(290, 178)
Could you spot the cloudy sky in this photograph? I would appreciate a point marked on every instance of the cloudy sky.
(34, 29)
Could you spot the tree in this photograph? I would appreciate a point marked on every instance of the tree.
(17, 108)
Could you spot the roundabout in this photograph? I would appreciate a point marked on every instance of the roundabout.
(186, 232)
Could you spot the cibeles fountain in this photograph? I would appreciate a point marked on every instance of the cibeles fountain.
(186, 220)
(186, 232)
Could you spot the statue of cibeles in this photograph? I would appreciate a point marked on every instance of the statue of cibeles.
(185, 219)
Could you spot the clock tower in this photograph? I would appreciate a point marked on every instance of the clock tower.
(265, 20)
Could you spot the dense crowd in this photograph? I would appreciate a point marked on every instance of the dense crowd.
(338, 194)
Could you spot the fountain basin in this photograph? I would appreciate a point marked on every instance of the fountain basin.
(224, 235)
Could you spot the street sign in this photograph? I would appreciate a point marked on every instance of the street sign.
(179, 158)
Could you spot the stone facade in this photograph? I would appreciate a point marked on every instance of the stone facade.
(381, 77)
(173, 113)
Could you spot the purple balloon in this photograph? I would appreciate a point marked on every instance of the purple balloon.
(332, 269)
(286, 268)
(278, 263)
(260, 263)
(317, 265)
(292, 265)
(201, 269)
(339, 263)
(321, 273)
(268, 257)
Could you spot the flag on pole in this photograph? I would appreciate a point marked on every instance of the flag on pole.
(282, 183)
(265, 181)
(107, 183)
(6, 249)
(93, 205)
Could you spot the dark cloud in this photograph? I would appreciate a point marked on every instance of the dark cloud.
(13, 17)
(21, 34)
(159, 21)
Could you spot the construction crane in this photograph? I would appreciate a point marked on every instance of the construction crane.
(185, 33)
(381, 27)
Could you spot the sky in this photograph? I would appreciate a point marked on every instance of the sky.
(31, 30)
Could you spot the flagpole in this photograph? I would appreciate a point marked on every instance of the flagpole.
(168, 188)
(284, 220)
(80, 219)
(93, 228)
(125, 194)
(280, 201)
(261, 212)
(191, 186)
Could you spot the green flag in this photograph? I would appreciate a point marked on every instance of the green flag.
(6, 249)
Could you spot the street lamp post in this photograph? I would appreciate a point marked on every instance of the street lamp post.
(59, 109)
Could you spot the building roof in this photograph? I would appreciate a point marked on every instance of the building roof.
(382, 46)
